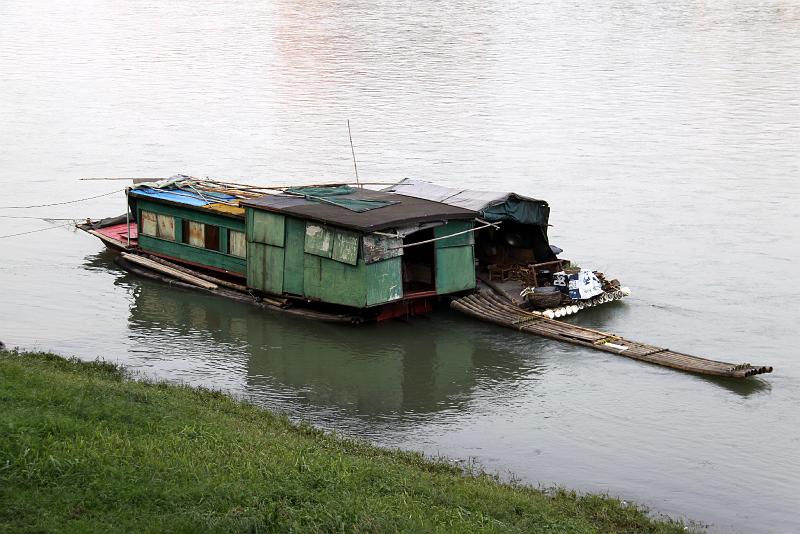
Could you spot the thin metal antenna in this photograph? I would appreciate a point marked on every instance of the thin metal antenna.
(353, 150)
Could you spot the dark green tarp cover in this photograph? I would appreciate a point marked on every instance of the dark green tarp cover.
(514, 208)
(494, 206)
(338, 195)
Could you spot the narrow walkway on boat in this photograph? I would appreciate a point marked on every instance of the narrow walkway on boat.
(493, 308)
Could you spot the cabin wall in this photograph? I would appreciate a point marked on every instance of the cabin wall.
(287, 255)
(322, 262)
(175, 248)
(455, 258)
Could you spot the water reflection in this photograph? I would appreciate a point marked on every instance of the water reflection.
(398, 372)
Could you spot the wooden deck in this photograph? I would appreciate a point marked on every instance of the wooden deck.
(493, 308)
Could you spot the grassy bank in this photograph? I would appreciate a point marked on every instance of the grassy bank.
(82, 448)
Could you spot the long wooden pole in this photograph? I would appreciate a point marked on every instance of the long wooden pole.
(353, 150)
(188, 278)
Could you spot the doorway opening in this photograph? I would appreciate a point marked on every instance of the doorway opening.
(419, 264)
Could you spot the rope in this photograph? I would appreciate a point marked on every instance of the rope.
(60, 203)
(37, 218)
(33, 231)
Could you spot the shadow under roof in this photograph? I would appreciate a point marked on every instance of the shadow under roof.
(405, 211)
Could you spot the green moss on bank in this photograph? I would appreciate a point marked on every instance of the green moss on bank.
(82, 448)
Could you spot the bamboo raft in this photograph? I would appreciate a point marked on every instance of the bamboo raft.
(493, 308)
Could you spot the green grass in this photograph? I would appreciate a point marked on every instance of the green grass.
(85, 449)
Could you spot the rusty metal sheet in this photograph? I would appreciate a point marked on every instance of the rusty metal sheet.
(197, 233)
(379, 247)
(237, 243)
(166, 226)
(149, 224)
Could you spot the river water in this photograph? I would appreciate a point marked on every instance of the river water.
(665, 136)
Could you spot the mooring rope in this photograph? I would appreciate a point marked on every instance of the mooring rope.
(60, 203)
(34, 231)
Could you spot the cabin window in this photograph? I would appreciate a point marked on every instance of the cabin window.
(166, 227)
(237, 244)
(158, 225)
(212, 237)
(194, 233)
(149, 224)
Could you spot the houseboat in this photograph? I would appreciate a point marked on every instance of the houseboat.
(341, 253)
(336, 248)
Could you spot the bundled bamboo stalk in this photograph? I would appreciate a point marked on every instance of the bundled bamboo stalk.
(174, 273)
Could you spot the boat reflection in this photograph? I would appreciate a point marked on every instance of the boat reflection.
(396, 370)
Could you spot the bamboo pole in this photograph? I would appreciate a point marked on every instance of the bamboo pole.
(190, 279)
(203, 276)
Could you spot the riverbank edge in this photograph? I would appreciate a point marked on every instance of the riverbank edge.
(86, 447)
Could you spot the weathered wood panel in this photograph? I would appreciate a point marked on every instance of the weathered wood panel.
(455, 269)
(334, 282)
(266, 227)
(342, 283)
(273, 269)
(293, 266)
(345, 247)
(319, 240)
(451, 228)
(384, 281)
(255, 265)
(378, 247)
(312, 276)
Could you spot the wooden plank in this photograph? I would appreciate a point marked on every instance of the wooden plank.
(343, 284)
(294, 257)
(312, 276)
(255, 265)
(267, 228)
(319, 240)
(207, 278)
(384, 281)
(345, 246)
(174, 273)
(455, 269)
(451, 228)
(273, 269)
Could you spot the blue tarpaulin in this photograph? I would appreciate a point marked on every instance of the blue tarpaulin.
(181, 196)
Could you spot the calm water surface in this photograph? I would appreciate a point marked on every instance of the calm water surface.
(665, 136)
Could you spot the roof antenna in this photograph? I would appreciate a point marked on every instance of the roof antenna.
(353, 150)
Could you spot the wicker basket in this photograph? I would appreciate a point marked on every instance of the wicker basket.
(543, 300)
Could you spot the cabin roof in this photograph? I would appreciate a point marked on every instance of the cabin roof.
(492, 205)
(401, 210)
(220, 203)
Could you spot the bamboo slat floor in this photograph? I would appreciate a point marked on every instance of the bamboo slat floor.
(492, 308)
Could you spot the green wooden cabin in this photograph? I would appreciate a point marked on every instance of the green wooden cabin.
(322, 249)
(344, 246)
